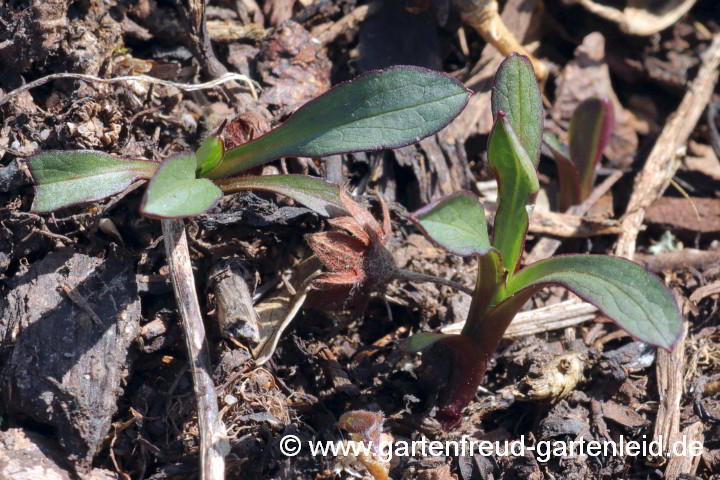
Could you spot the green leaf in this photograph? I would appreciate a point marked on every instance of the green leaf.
(456, 223)
(517, 94)
(381, 109)
(517, 187)
(569, 178)
(209, 155)
(67, 178)
(624, 291)
(491, 278)
(315, 193)
(175, 192)
(420, 341)
(589, 133)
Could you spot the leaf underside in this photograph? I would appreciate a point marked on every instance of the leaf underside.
(517, 186)
(456, 223)
(315, 193)
(517, 94)
(78, 176)
(589, 133)
(381, 109)
(568, 175)
(174, 191)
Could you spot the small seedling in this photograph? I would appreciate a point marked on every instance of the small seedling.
(624, 291)
(380, 109)
(589, 133)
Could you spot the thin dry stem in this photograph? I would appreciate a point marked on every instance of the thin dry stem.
(213, 446)
(186, 87)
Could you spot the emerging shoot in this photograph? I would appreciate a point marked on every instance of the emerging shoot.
(625, 292)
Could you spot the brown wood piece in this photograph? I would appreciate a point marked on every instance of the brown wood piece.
(663, 161)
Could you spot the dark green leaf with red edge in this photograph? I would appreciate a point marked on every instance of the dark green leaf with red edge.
(210, 154)
(68, 178)
(624, 291)
(589, 133)
(517, 94)
(315, 193)
(174, 191)
(568, 175)
(517, 187)
(456, 223)
(380, 109)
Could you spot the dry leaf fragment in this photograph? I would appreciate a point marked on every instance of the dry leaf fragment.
(356, 258)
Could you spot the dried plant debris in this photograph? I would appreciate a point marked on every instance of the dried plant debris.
(366, 428)
(294, 68)
(69, 357)
(552, 381)
(357, 261)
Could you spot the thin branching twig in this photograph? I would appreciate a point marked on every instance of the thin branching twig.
(186, 87)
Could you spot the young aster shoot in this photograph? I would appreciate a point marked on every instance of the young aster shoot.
(380, 109)
(624, 291)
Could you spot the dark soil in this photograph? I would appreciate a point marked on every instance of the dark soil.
(93, 369)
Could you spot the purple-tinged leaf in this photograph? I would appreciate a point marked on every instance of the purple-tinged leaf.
(590, 130)
(517, 187)
(516, 93)
(78, 176)
(624, 291)
(315, 193)
(455, 223)
(174, 191)
(467, 364)
(380, 109)
(568, 175)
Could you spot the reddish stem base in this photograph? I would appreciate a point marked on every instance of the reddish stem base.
(467, 370)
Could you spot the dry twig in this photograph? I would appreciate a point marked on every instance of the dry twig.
(213, 447)
(670, 376)
(663, 161)
(546, 247)
(553, 317)
(186, 87)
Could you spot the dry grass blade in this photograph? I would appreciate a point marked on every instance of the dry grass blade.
(546, 247)
(186, 87)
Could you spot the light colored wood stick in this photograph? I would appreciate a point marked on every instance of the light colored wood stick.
(686, 464)
(571, 226)
(670, 378)
(213, 443)
(663, 161)
(546, 247)
(553, 317)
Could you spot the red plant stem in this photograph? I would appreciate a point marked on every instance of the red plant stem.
(468, 365)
